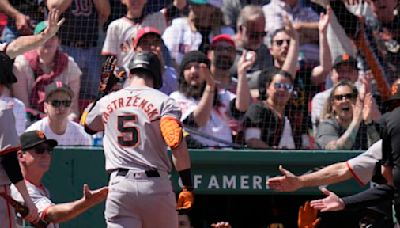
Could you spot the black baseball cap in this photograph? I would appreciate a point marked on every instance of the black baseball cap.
(31, 139)
(58, 86)
(147, 61)
(395, 95)
(344, 59)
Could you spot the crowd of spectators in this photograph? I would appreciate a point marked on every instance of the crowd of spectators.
(259, 74)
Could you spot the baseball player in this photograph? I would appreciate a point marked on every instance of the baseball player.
(139, 123)
(9, 167)
(363, 168)
(35, 159)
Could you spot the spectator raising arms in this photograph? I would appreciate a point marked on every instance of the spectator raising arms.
(349, 119)
(250, 34)
(80, 39)
(38, 68)
(205, 107)
(122, 32)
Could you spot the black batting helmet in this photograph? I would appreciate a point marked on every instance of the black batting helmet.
(149, 62)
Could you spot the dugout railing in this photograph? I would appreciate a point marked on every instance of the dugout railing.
(216, 172)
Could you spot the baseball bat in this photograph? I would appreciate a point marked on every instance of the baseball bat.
(22, 210)
(213, 138)
(10, 149)
(365, 46)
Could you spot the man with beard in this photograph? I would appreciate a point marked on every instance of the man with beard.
(149, 39)
(195, 31)
(206, 108)
(250, 37)
(222, 54)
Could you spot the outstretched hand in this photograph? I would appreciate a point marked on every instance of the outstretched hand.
(288, 182)
(308, 216)
(330, 203)
(94, 196)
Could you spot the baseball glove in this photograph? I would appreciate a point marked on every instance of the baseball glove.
(308, 216)
(185, 201)
(110, 75)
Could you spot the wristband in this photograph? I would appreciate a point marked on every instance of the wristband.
(186, 177)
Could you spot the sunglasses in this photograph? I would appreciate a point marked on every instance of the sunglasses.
(257, 35)
(57, 103)
(280, 42)
(281, 85)
(347, 96)
(41, 149)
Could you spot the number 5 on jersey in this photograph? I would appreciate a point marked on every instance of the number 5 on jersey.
(129, 133)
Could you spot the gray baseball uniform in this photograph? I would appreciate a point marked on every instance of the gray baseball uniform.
(362, 167)
(140, 192)
(40, 197)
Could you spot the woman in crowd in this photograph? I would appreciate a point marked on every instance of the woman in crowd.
(349, 119)
(266, 125)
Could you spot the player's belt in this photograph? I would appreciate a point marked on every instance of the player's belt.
(147, 173)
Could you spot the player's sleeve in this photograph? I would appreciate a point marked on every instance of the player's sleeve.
(170, 125)
(92, 118)
(111, 42)
(41, 202)
(369, 197)
(363, 166)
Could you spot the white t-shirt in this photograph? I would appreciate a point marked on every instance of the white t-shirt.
(19, 113)
(122, 32)
(218, 124)
(40, 196)
(74, 135)
(180, 39)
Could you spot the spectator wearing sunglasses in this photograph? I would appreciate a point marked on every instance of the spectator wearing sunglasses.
(38, 68)
(349, 119)
(35, 160)
(56, 125)
(344, 68)
(304, 19)
(266, 126)
(284, 47)
(250, 34)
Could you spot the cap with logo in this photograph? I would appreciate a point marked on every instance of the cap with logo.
(31, 139)
(395, 95)
(344, 59)
(58, 86)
